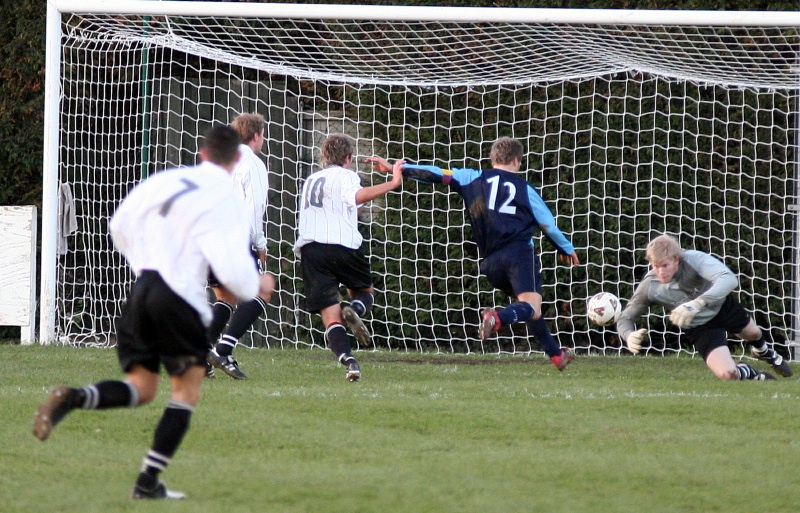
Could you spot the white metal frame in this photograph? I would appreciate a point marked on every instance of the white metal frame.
(55, 8)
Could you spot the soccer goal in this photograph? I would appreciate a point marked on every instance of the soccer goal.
(635, 123)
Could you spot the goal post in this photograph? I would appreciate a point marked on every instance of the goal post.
(634, 123)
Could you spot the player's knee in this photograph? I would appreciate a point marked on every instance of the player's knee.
(190, 397)
(536, 312)
(145, 382)
(146, 393)
(727, 374)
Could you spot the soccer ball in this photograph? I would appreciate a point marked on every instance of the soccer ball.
(603, 309)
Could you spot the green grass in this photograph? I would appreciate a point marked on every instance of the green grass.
(420, 433)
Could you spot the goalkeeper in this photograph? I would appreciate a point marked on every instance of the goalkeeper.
(698, 289)
(504, 211)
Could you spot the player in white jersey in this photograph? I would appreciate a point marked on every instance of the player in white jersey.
(251, 184)
(698, 290)
(328, 244)
(172, 229)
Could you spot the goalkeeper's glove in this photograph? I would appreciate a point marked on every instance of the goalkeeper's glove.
(635, 340)
(683, 314)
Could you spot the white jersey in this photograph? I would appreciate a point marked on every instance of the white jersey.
(252, 185)
(328, 209)
(180, 222)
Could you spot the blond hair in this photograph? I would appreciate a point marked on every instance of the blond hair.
(248, 126)
(505, 150)
(662, 248)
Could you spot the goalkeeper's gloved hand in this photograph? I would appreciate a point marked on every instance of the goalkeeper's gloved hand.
(635, 340)
(683, 314)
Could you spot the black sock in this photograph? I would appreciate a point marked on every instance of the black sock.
(760, 346)
(222, 312)
(244, 316)
(746, 371)
(361, 303)
(169, 433)
(107, 394)
(336, 337)
(225, 345)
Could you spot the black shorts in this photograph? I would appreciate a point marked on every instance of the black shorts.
(732, 318)
(158, 326)
(514, 269)
(327, 266)
(212, 280)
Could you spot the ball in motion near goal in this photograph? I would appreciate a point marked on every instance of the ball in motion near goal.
(604, 309)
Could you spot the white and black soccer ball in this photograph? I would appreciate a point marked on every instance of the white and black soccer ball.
(604, 309)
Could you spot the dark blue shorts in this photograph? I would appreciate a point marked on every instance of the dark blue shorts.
(157, 327)
(732, 318)
(514, 269)
(326, 267)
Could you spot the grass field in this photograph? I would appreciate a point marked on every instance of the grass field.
(420, 433)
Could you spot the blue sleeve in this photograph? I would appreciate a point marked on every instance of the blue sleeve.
(423, 173)
(547, 223)
(435, 174)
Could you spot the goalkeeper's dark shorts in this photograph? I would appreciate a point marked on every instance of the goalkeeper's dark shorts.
(157, 327)
(327, 266)
(732, 318)
(515, 269)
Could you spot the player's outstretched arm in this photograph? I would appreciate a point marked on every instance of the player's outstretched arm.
(370, 193)
(418, 172)
(379, 164)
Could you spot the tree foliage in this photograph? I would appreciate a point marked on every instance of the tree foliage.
(22, 60)
(21, 101)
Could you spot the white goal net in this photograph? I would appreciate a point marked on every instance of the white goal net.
(631, 129)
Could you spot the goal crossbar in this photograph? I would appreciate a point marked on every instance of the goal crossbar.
(432, 13)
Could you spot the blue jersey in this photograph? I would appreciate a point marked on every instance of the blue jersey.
(502, 206)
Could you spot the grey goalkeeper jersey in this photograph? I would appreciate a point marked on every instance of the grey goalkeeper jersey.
(699, 275)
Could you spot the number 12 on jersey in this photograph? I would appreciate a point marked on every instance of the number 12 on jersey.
(505, 208)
